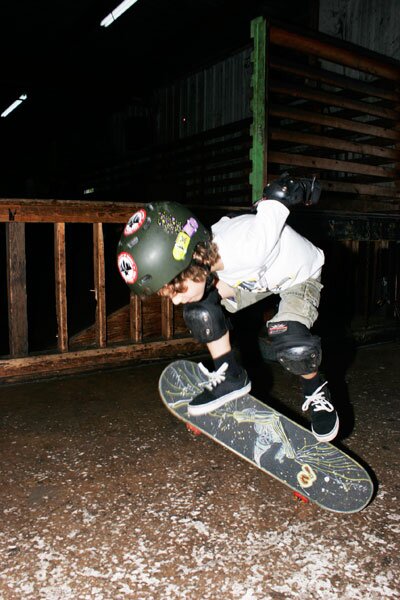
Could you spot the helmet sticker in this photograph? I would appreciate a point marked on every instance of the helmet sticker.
(135, 222)
(169, 223)
(127, 267)
(183, 239)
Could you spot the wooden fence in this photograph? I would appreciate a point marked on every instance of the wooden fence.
(57, 325)
(139, 330)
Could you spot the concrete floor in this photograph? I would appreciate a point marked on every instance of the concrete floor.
(105, 496)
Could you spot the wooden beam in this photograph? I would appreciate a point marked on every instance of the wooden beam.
(329, 77)
(307, 116)
(315, 162)
(16, 289)
(33, 367)
(60, 275)
(332, 99)
(351, 57)
(99, 285)
(258, 150)
(361, 189)
(337, 144)
(65, 211)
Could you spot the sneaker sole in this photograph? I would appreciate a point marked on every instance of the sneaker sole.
(327, 437)
(203, 409)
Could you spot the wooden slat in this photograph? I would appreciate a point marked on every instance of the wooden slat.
(325, 153)
(337, 144)
(135, 313)
(349, 56)
(334, 79)
(315, 162)
(332, 99)
(361, 189)
(99, 285)
(61, 286)
(167, 318)
(16, 289)
(335, 122)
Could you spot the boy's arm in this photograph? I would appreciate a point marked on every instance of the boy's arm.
(279, 197)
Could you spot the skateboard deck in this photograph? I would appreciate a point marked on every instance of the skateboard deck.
(317, 471)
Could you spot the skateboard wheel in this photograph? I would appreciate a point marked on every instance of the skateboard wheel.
(300, 498)
(193, 429)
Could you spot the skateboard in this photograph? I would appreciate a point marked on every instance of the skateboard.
(316, 471)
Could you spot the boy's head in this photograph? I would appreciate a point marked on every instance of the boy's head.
(161, 243)
(190, 284)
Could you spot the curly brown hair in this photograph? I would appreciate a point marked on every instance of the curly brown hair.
(205, 256)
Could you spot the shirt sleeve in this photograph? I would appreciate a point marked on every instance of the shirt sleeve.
(269, 222)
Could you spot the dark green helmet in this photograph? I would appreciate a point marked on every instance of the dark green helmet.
(157, 244)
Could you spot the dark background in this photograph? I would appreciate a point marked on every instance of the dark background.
(77, 74)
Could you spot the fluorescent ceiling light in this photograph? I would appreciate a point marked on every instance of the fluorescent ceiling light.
(117, 12)
(14, 105)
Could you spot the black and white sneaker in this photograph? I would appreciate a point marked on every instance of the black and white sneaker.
(324, 418)
(221, 387)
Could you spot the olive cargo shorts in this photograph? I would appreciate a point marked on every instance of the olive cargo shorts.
(298, 303)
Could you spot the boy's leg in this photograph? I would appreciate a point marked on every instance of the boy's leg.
(208, 324)
(300, 353)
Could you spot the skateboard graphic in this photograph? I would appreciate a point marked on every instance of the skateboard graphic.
(316, 471)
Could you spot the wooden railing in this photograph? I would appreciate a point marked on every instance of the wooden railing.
(57, 324)
(139, 330)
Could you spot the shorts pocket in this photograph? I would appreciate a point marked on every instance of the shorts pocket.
(312, 292)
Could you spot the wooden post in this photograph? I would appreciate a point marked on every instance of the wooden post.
(61, 286)
(167, 318)
(258, 151)
(99, 285)
(16, 290)
(135, 313)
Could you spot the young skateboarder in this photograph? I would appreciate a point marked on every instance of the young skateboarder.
(165, 249)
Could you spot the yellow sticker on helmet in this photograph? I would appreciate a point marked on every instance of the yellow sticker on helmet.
(183, 239)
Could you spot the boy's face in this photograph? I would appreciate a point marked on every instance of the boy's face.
(193, 293)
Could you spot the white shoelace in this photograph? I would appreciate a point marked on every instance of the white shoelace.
(214, 377)
(318, 401)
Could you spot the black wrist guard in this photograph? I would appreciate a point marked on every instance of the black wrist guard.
(290, 191)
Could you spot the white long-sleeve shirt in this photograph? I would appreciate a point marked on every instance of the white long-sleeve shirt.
(261, 252)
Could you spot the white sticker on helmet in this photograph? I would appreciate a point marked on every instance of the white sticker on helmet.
(135, 222)
(127, 267)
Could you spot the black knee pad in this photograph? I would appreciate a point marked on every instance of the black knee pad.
(296, 349)
(206, 320)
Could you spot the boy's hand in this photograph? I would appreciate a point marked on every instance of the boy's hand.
(290, 191)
